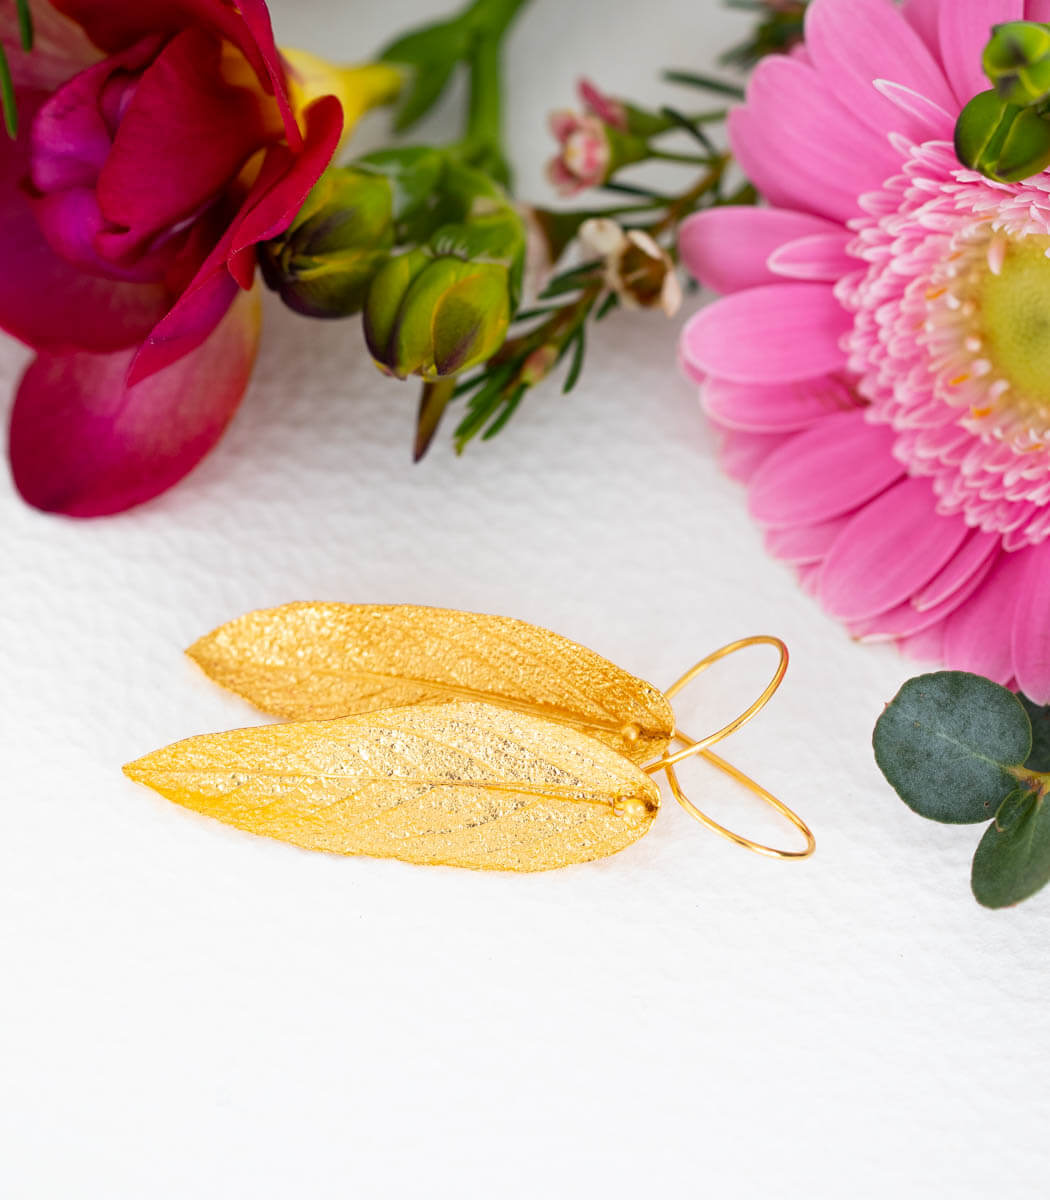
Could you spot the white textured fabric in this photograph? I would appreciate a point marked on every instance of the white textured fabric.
(189, 1011)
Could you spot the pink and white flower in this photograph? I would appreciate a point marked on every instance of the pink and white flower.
(585, 156)
(881, 360)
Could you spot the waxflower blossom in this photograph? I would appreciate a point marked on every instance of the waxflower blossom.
(159, 145)
(585, 157)
(880, 361)
(636, 268)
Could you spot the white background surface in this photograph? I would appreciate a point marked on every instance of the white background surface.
(189, 1011)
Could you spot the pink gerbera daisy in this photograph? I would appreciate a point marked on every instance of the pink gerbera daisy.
(881, 359)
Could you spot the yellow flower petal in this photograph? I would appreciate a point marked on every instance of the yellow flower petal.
(358, 88)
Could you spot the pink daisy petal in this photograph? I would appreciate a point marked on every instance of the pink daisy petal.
(906, 620)
(772, 408)
(927, 646)
(85, 444)
(821, 257)
(830, 469)
(976, 553)
(973, 634)
(1031, 628)
(1037, 10)
(929, 120)
(881, 46)
(962, 29)
(743, 453)
(801, 148)
(726, 248)
(922, 15)
(804, 544)
(894, 545)
(799, 324)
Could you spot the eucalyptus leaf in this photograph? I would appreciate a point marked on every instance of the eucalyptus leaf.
(1039, 715)
(949, 743)
(1013, 862)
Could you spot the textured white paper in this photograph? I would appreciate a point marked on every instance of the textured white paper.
(188, 1011)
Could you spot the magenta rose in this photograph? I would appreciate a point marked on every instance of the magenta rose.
(158, 146)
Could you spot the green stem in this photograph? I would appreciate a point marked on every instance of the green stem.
(483, 141)
(693, 160)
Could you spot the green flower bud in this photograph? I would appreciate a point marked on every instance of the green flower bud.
(436, 316)
(1001, 140)
(323, 263)
(1017, 61)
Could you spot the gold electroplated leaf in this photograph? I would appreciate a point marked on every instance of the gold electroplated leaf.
(318, 661)
(459, 784)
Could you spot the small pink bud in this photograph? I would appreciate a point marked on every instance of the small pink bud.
(605, 108)
(538, 365)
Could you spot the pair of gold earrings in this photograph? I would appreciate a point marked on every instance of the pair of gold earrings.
(441, 737)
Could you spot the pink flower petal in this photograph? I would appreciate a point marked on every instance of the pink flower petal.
(976, 553)
(115, 26)
(830, 469)
(774, 408)
(801, 148)
(727, 248)
(977, 635)
(804, 544)
(84, 444)
(927, 646)
(277, 195)
(893, 546)
(161, 170)
(769, 334)
(922, 16)
(929, 120)
(882, 45)
(963, 28)
(45, 301)
(906, 620)
(1037, 10)
(821, 258)
(742, 454)
(70, 139)
(1031, 629)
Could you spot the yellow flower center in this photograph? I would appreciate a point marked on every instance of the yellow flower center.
(1013, 318)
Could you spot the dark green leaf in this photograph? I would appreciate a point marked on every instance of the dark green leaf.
(427, 86)
(1039, 715)
(7, 97)
(610, 302)
(579, 346)
(25, 24)
(573, 280)
(483, 405)
(510, 405)
(690, 127)
(946, 743)
(706, 82)
(423, 47)
(1012, 863)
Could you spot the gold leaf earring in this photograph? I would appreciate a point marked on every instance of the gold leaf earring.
(441, 737)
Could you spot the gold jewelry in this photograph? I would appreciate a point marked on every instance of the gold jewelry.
(442, 737)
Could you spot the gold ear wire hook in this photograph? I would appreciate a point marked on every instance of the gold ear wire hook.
(701, 747)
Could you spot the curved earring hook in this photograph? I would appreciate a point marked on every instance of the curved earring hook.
(702, 746)
(738, 838)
